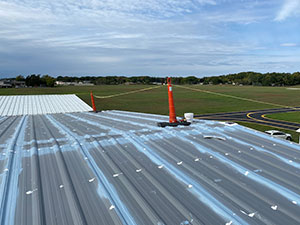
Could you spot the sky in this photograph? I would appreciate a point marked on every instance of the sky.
(148, 37)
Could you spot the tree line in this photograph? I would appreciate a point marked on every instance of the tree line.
(258, 79)
(112, 80)
(37, 80)
(244, 78)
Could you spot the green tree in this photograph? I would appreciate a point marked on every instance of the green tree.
(20, 78)
(33, 80)
(48, 80)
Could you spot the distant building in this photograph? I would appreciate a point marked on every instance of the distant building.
(5, 84)
(157, 83)
(80, 83)
(84, 83)
(62, 83)
(12, 83)
(128, 83)
(19, 84)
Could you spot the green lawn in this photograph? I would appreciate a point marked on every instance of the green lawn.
(156, 100)
(290, 116)
(276, 95)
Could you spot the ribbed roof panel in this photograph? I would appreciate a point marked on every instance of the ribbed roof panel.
(116, 167)
(41, 104)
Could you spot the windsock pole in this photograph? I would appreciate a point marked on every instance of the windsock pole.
(172, 114)
(93, 102)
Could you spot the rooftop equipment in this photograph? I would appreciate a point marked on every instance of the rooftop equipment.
(189, 117)
(173, 122)
(93, 102)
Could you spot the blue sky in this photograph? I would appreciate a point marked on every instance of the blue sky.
(148, 37)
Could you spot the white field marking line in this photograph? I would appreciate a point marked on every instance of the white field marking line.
(127, 93)
(236, 97)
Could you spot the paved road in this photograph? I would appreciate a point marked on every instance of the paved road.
(255, 116)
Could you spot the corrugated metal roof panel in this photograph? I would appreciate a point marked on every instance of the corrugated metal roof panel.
(41, 104)
(118, 167)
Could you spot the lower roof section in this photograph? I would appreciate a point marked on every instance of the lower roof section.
(16, 105)
(118, 167)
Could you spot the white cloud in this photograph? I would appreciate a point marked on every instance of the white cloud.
(288, 45)
(289, 8)
(155, 8)
(114, 24)
(128, 36)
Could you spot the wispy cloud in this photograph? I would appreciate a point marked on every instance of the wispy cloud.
(133, 37)
(289, 8)
(289, 44)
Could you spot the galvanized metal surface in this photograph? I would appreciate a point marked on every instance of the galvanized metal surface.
(17, 105)
(118, 167)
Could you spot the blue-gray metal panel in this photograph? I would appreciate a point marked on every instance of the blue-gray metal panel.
(118, 167)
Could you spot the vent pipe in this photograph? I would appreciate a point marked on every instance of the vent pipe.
(172, 114)
(93, 102)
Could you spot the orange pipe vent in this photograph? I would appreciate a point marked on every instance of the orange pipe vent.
(172, 114)
(93, 102)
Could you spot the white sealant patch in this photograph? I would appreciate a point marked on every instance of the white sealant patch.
(31, 191)
(252, 214)
(274, 207)
(117, 174)
(92, 179)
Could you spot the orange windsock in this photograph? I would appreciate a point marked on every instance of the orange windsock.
(172, 114)
(93, 102)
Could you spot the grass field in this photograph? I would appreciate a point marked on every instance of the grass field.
(276, 95)
(290, 116)
(155, 101)
(186, 100)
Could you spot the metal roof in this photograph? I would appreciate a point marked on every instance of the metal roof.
(117, 167)
(16, 105)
